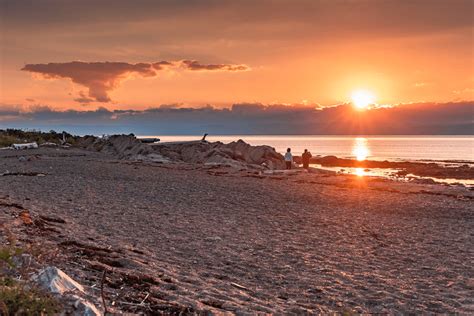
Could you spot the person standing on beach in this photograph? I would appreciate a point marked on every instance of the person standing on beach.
(306, 156)
(288, 159)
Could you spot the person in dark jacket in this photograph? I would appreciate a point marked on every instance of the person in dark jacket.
(306, 156)
(288, 159)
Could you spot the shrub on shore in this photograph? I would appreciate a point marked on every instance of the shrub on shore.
(20, 297)
(12, 136)
(16, 298)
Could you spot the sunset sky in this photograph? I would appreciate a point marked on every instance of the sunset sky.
(135, 55)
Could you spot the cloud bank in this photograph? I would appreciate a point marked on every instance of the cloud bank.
(102, 77)
(252, 118)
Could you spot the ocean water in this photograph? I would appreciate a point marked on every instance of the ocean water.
(392, 148)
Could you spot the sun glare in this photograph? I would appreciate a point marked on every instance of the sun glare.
(362, 99)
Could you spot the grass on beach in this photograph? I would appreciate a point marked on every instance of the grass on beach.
(16, 298)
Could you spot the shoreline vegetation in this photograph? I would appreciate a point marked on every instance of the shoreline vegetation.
(212, 228)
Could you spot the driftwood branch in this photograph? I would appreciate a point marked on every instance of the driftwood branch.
(102, 292)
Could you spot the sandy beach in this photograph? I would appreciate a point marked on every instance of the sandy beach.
(194, 239)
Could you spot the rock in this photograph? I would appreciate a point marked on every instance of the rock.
(225, 162)
(215, 238)
(59, 283)
(85, 308)
(23, 260)
(328, 160)
(425, 181)
(22, 159)
(56, 281)
(151, 158)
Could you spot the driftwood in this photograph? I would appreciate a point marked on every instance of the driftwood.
(102, 292)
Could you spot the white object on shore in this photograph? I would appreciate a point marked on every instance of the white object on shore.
(25, 146)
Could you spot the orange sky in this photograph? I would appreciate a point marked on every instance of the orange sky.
(293, 51)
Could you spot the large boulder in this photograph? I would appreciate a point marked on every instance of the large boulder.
(56, 281)
(259, 155)
(125, 146)
(62, 286)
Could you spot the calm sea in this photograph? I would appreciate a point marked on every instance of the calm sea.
(437, 148)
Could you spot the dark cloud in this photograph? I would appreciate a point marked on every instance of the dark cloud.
(195, 65)
(162, 65)
(83, 99)
(98, 77)
(249, 118)
(102, 77)
(384, 17)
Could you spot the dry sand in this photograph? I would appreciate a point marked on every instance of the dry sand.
(187, 238)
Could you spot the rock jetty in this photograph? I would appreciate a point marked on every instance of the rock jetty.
(237, 154)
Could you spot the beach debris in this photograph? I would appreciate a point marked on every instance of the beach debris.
(48, 144)
(26, 217)
(214, 238)
(240, 287)
(52, 219)
(149, 140)
(32, 145)
(27, 174)
(13, 205)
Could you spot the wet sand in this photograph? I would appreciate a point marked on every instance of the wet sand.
(178, 237)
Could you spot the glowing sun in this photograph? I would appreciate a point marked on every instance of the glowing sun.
(362, 99)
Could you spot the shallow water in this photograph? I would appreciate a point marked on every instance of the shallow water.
(392, 174)
(445, 149)
(436, 148)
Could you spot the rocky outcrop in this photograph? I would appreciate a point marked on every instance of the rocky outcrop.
(121, 146)
(239, 154)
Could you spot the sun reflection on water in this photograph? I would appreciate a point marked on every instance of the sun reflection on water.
(360, 172)
(360, 149)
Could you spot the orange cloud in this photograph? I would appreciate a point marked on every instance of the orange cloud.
(102, 77)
